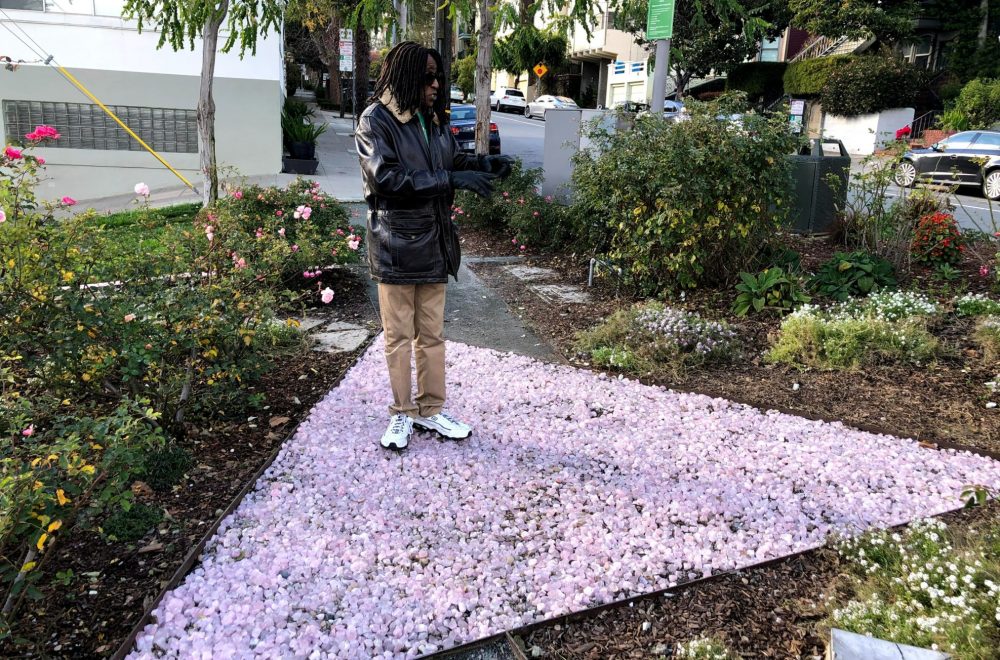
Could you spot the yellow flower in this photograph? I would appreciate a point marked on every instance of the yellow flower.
(41, 542)
(87, 469)
(61, 497)
(68, 276)
(54, 526)
(27, 567)
(38, 484)
(85, 378)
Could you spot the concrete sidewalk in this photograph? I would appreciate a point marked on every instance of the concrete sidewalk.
(339, 173)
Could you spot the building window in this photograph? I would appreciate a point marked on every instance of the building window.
(84, 126)
(769, 50)
(919, 53)
(29, 5)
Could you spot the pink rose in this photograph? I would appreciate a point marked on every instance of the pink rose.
(43, 132)
(3, 216)
(984, 270)
(141, 189)
(259, 233)
(241, 263)
(295, 248)
(534, 213)
(238, 194)
(353, 242)
(68, 201)
(279, 213)
(28, 432)
(281, 232)
(326, 295)
(12, 153)
(41, 161)
(523, 248)
(129, 318)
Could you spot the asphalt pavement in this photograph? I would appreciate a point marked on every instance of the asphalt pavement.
(521, 137)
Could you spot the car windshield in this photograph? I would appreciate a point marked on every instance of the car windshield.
(462, 114)
(514, 92)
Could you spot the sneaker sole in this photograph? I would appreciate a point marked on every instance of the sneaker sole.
(393, 446)
(440, 434)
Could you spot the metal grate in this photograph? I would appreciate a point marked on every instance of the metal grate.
(84, 126)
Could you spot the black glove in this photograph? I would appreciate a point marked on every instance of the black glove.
(499, 165)
(480, 183)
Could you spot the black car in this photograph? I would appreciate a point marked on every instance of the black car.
(463, 126)
(969, 158)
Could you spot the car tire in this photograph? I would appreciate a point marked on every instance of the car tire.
(527, 112)
(991, 185)
(497, 108)
(906, 174)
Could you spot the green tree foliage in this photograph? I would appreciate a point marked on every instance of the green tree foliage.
(885, 20)
(527, 46)
(871, 84)
(466, 74)
(761, 81)
(712, 35)
(974, 50)
(808, 77)
(977, 106)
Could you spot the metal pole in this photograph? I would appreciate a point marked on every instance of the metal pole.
(660, 77)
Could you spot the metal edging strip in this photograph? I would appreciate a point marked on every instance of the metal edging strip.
(195, 552)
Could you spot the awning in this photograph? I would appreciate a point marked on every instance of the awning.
(593, 55)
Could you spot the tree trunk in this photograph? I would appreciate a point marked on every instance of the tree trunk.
(362, 62)
(484, 67)
(206, 106)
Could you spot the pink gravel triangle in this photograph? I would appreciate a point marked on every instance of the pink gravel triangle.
(574, 490)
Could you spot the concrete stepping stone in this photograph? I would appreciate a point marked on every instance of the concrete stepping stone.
(339, 337)
(852, 646)
(561, 293)
(530, 273)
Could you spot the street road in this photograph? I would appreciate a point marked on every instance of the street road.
(521, 137)
(971, 211)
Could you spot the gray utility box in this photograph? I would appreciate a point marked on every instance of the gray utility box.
(815, 205)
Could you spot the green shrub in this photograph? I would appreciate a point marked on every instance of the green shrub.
(977, 304)
(165, 467)
(652, 338)
(988, 337)
(130, 525)
(704, 648)
(854, 274)
(808, 77)
(297, 109)
(926, 586)
(779, 256)
(977, 106)
(871, 84)
(671, 213)
(772, 289)
(887, 327)
(937, 240)
(761, 81)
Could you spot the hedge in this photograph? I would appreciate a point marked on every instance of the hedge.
(871, 84)
(760, 80)
(808, 77)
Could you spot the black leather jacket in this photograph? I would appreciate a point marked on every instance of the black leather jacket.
(411, 238)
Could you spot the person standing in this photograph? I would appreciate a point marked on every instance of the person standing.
(411, 167)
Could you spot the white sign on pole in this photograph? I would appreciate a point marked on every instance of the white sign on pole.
(347, 50)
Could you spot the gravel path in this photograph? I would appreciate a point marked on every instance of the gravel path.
(574, 490)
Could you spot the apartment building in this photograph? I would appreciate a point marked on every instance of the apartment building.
(153, 91)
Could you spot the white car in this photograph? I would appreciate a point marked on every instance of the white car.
(506, 98)
(539, 106)
(457, 95)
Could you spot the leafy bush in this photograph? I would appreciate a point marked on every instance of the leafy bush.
(761, 81)
(854, 274)
(704, 648)
(988, 337)
(977, 105)
(163, 468)
(131, 524)
(808, 77)
(779, 256)
(871, 84)
(885, 327)
(937, 240)
(977, 304)
(297, 110)
(669, 211)
(653, 338)
(926, 586)
(772, 289)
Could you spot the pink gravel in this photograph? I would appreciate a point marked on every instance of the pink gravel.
(574, 490)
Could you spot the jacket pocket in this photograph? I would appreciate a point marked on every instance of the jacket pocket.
(414, 245)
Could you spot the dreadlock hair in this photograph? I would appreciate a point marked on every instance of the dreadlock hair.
(402, 76)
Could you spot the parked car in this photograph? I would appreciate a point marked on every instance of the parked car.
(671, 109)
(457, 95)
(545, 102)
(630, 106)
(969, 158)
(463, 127)
(506, 98)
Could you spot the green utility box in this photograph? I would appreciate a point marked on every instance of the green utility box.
(816, 201)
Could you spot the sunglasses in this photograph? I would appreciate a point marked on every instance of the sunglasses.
(431, 78)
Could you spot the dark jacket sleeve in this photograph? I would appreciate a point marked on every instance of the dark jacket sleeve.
(385, 174)
(466, 161)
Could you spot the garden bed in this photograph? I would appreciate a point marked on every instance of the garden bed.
(107, 585)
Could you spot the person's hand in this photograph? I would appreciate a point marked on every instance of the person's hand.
(480, 183)
(499, 165)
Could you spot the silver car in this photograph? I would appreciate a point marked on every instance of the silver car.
(539, 106)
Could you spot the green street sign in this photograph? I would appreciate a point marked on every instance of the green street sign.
(660, 20)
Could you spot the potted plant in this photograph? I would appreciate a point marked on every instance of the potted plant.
(300, 140)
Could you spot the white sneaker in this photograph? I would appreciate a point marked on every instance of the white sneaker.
(397, 434)
(445, 425)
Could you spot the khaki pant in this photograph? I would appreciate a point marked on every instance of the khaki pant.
(413, 321)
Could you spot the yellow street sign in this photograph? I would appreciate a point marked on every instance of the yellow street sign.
(540, 70)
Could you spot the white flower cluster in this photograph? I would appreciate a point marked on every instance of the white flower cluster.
(990, 323)
(976, 304)
(933, 591)
(686, 331)
(890, 306)
(704, 648)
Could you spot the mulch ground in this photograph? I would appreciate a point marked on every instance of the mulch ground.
(114, 582)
